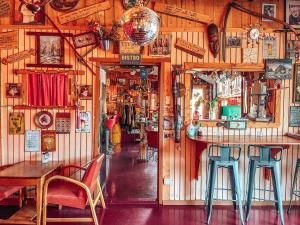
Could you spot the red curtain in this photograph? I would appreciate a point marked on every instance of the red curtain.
(47, 89)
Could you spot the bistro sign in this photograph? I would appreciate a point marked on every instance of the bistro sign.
(130, 59)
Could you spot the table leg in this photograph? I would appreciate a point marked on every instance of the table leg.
(39, 200)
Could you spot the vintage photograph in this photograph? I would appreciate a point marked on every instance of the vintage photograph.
(13, 90)
(278, 69)
(85, 39)
(23, 16)
(161, 46)
(293, 13)
(292, 50)
(296, 90)
(269, 47)
(268, 10)
(233, 42)
(51, 50)
(16, 123)
(85, 91)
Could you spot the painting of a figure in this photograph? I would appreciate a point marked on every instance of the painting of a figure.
(51, 50)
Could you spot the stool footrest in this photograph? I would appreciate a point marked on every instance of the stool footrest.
(259, 189)
(263, 199)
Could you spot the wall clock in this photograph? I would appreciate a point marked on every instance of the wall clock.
(43, 119)
(250, 55)
(255, 32)
(63, 5)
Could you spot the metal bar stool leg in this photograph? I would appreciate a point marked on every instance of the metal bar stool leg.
(278, 187)
(207, 185)
(294, 184)
(238, 190)
(212, 181)
(252, 171)
(275, 191)
(233, 189)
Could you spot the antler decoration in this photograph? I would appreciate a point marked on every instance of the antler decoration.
(252, 13)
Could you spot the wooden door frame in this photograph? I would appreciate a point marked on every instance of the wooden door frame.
(164, 64)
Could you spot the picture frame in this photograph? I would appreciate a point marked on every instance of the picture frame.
(129, 3)
(83, 122)
(268, 9)
(161, 45)
(63, 122)
(296, 81)
(250, 55)
(16, 123)
(121, 82)
(278, 69)
(50, 50)
(292, 13)
(233, 42)
(269, 47)
(32, 141)
(292, 50)
(13, 90)
(48, 141)
(85, 92)
(85, 39)
(23, 16)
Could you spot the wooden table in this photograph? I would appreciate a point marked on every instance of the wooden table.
(28, 174)
(203, 141)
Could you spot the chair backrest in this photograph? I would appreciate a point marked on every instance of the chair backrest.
(91, 174)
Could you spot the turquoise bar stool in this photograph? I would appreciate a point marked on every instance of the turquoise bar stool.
(265, 160)
(225, 159)
(294, 190)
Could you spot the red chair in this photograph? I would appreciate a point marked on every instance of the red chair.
(6, 191)
(65, 191)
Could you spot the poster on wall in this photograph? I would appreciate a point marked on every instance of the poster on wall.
(161, 46)
(32, 141)
(269, 47)
(63, 123)
(83, 122)
(292, 50)
(296, 89)
(292, 13)
(9, 40)
(278, 69)
(23, 16)
(13, 90)
(48, 140)
(294, 116)
(16, 123)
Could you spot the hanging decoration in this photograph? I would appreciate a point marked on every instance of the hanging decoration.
(140, 24)
(63, 5)
(43, 119)
(18, 56)
(213, 39)
(190, 48)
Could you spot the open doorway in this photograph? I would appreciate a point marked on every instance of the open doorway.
(132, 105)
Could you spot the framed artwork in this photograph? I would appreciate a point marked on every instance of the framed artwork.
(278, 69)
(85, 39)
(48, 141)
(50, 50)
(32, 141)
(233, 42)
(250, 55)
(121, 82)
(161, 46)
(16, 123)
(292, 50)
(43, 119)
(23, 16)
(268, 10)
(63, 123)
(13, 90)
(85, 91)
(84, 122)
(294, 116)
(292, 13)
(296, 90)
(63, 5)
(269, 47)
(129, 3)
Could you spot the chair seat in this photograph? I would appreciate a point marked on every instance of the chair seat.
(66, 194)
(6, 191)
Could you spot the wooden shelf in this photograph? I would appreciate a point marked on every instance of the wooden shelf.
(47, 71)
(73, 107)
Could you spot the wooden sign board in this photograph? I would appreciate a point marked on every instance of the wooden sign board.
(84, 12)
(128, 47)
(180, 12)
(190, 48)
(9, 40)
(18, 56)
(294, 116)
(5, 8)
(130, 59)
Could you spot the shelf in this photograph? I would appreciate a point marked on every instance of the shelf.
(20, 107)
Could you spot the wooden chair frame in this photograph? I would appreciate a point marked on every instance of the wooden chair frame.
(92, 202)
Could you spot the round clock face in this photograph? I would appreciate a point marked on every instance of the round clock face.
(254, 33)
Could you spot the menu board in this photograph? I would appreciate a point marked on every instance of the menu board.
(32, 140)
(294, 116)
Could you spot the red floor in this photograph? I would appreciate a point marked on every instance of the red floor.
(130, 180)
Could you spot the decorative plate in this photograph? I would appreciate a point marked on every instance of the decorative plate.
(64, 5)
(129, 3)
(43, 119)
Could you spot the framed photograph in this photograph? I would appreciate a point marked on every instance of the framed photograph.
(84, 122)
(129, 3)
(85, 39)
(292, 50)
(233, 42)
(16, 123)
(23, 16)
(48, 141)
(32, 141)
(13, 90)
(161, 46)
(269, 47)
(85, 91)
(292, 13)
(63, 123)
(268, 10)
(296, 90)
(278, 69)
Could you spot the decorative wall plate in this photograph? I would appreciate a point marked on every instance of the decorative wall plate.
(43, 119)
(64, 5)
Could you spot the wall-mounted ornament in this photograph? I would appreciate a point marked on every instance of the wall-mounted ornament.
(278, 69)
(63, 5)
(84, 12)
(83, 122)
(233, 42)
(250, 55)
(268, 9)
(129, 3)
(63, 123)
(48, 140)
(43, 119)
(161, 46)
(32, 141)
(18, 56)
(292, 50)
(9, 40)
(269, 47)
(16, 124)
(85, 39)
(23, 16)
(189, 48)
(213, 39)
(13, 90)
(296, 90)
(5, 8)
(255, 32)
(50, 50)
(85, 91)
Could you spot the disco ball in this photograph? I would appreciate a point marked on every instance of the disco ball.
(141, 25)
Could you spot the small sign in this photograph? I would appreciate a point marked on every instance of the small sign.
(48, 141)
(16, 123)
(83, 122)
(9, 40)
(18, 56)
(84, 12)
(190, 48)
(32, 141)
(128, 47)
(130, 59)
(294, 116)
(5, 8)
(63, 123)
(85, 39)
